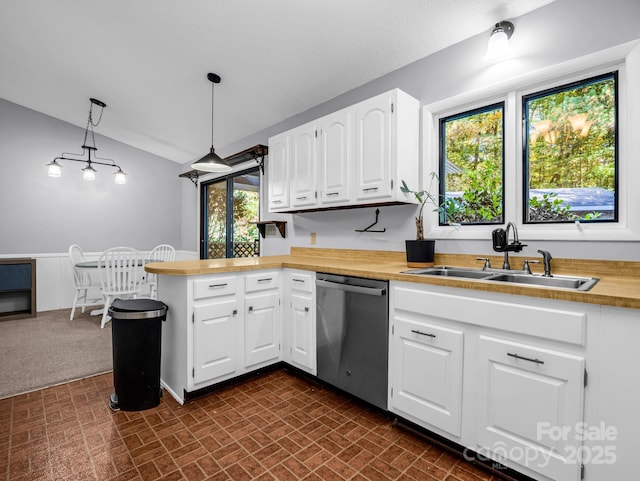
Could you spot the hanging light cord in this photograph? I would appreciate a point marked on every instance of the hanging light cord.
(212, 91)
(91, 124)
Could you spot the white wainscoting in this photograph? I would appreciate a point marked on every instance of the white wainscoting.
(54, 279)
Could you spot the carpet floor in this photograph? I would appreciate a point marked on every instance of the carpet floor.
(50, 349)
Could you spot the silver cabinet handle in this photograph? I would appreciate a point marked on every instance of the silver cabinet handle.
(530, 359)
(276, 202)
(297, 280)
(266, 279)
(370, 189)
(213, 286)
(415, 331)
(304, 197)
(331, 193)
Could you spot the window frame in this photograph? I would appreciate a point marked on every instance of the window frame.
(442, 160)
(625, 59)
(228, 179)
(614, 74)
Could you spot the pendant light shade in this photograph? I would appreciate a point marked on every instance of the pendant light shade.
(212, 162)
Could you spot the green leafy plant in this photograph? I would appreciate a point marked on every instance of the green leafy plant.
(481, 199)
(423, 197)
(549, 207)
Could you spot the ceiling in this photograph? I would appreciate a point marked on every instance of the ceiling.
(148, 59)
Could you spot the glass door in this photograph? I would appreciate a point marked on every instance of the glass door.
(230, 208)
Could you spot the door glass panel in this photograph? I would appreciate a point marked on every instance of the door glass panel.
(216, 219)
(246, 212)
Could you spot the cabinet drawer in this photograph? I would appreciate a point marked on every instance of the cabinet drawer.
(302, 282)
(214, 287)
(262, 281)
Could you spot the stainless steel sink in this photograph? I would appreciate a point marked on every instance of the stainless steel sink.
(443, 271)
(518, 277)
(561, 282)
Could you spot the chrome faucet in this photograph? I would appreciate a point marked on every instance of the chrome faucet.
(546, 258)
(515, 246)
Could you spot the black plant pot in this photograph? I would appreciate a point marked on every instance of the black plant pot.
(420, 253)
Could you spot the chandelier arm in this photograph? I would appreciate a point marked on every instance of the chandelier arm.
(112, 164)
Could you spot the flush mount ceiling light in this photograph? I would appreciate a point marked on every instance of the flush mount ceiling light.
(498, 46)
(212, 162)
(88, 150)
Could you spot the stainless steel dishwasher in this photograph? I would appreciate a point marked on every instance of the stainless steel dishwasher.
(353, 334)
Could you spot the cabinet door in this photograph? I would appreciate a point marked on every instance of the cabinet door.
(374, 148)
(262, 328)
(303, 166)
(527, 394)
(278, 172)
(335, 157)
(215, 328)
(427, 373)
(302, 330)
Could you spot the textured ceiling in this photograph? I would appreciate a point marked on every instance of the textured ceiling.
(148, 59)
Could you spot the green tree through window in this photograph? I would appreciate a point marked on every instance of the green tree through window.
(472, 158)
(571, 152)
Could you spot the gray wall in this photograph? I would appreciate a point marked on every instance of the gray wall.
(558, 32)
(40, 214)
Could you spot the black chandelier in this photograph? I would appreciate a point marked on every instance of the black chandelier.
(89, 150)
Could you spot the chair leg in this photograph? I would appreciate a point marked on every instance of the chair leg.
(73, 307)
(84, 299)
(105, 313)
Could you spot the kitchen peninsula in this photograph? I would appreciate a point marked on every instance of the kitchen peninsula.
(482, 364)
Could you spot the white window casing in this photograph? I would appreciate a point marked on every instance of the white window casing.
(623, 58)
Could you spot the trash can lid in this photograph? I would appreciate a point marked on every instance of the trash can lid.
(137, 308)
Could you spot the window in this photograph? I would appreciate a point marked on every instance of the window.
(472, 159)
(230, 207)
(571, 153)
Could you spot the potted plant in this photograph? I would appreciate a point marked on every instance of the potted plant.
(420, 252)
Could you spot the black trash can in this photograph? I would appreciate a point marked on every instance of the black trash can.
(136, 334)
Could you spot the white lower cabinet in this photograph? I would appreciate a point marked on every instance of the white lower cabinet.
(215, 334)
(500, 375)
(218, 327)
(261, 328)
(262, 318)
(299, 332)
(427, 372)
(527, 394)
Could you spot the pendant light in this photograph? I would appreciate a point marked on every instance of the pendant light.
(89, 150)
(212, 161)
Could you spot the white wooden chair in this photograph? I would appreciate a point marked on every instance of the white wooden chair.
(83, 282)
(160, 253)
(121, 270)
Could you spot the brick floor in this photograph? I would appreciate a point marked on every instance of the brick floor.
(274, 427)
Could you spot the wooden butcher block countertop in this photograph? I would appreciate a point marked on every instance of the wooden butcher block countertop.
(619, 283)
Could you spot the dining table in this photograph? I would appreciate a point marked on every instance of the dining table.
(94, 265)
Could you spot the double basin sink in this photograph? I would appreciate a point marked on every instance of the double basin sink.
(510, 277)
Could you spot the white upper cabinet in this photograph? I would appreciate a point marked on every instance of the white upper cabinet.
(303, 165)
(335, 157)
(357, 155)
(373, 148)
(386, 146)
(278, 172)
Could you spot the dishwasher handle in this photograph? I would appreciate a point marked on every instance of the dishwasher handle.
(369, 291)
